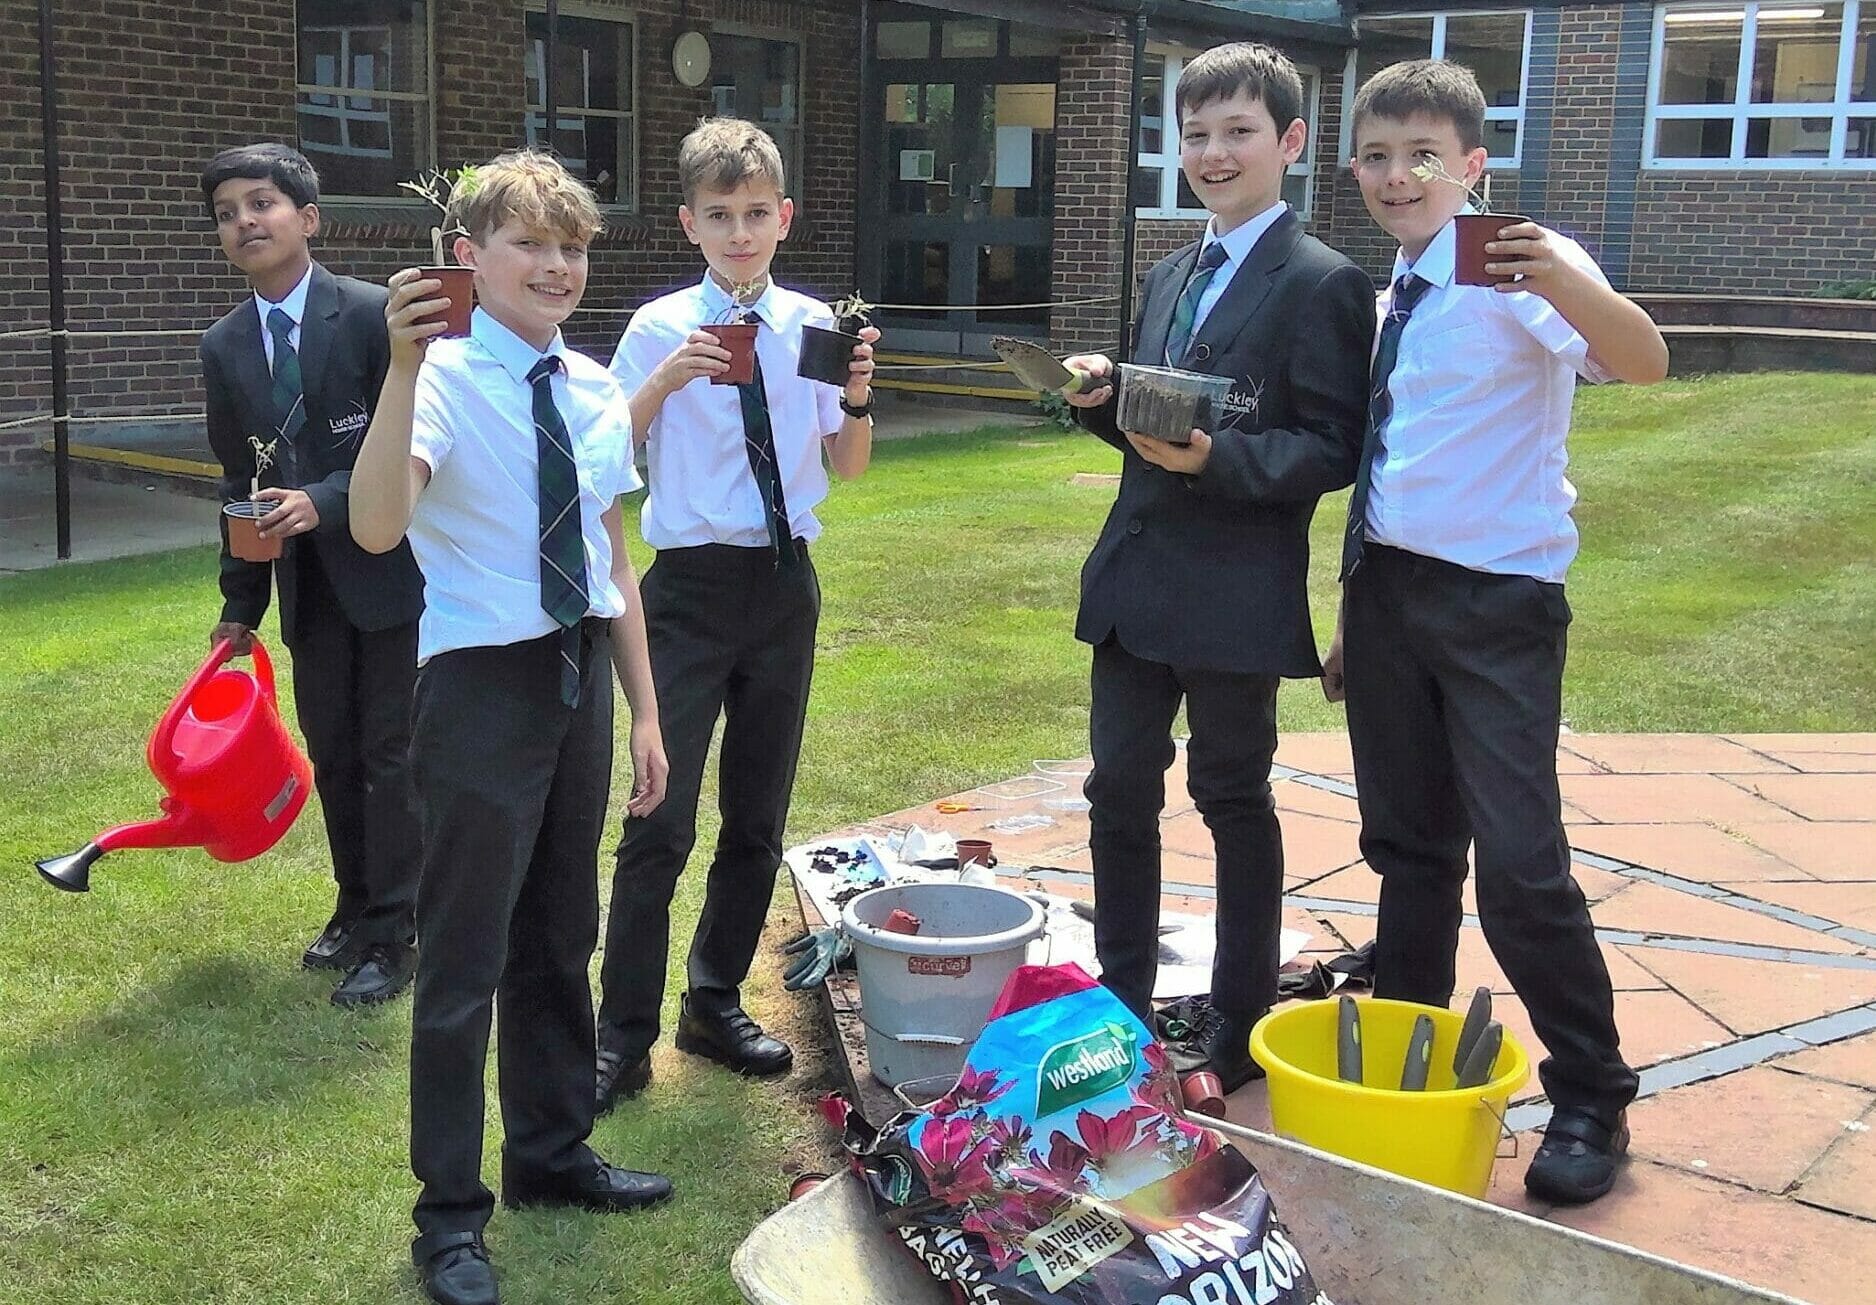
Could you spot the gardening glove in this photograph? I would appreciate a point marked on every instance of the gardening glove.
(818, 954)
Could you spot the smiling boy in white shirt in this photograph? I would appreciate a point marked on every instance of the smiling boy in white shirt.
(1451, 647)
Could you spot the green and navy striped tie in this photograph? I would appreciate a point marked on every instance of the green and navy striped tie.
(563, 546)
(1407, 292)
(289, 394)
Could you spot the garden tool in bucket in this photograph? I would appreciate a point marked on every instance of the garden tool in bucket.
(235, 778)
(1445, 1132)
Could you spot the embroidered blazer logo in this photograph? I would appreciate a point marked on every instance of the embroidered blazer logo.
(350, 428)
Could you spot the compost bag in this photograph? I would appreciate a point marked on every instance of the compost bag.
(1060, 1169)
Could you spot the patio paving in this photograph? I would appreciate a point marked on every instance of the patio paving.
(1732, 879)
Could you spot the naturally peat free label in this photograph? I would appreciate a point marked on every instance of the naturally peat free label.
(1084, 1068)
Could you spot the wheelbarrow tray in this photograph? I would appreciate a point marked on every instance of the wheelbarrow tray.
(1370, 1239)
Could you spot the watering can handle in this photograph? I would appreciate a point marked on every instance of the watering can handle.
(161, 752)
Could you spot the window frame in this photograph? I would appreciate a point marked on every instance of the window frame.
(1436, 49)
(1840, 109)
(1167, 159)
(425, 97)
(627, 18)
(792, 163)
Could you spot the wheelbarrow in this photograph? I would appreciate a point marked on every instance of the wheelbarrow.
(1370, 1239)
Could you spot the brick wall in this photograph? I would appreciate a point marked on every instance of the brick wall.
(148, 91)
(1093, 96)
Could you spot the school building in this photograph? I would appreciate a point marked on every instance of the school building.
(972, 163)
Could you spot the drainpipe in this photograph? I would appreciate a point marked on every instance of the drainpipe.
(55, 283)
(1129, 220)
(864, 150)
(550, 101)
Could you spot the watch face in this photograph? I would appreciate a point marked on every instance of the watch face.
(690, 58)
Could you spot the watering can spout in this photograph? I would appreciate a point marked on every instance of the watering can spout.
(71, 873)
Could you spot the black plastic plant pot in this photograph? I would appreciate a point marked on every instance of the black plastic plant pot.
(826, 356)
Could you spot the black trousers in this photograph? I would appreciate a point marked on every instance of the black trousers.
(1455, 690)
(730, 634)
(352, 694)
(512, 785)
(1233, 721)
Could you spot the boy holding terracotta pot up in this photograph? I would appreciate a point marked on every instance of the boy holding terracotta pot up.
(1451, 646)
(503, 454)
(292, 377)
(737, 467)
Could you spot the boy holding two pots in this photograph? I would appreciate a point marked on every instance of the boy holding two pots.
(1197, 590)
(1451, 648)
(732, 602)
(293, 373)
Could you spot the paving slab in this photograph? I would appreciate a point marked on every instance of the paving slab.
(1748, 1128)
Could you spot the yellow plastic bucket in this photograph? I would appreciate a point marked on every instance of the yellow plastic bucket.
(1444, 1136)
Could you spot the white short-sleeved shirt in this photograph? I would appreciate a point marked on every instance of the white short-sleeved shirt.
(1473, 457)
(702, 490)
(476, 530)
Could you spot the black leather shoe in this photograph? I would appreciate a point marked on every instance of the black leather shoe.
(617, 1079)
(1228, 1051)
(380, 974)
(604, 1189)
(331, 950)
(1578, 1159)
(454, 1269)
(732, 1039)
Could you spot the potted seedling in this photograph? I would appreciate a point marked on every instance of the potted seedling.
(245, 540)
(458, 282)
(736, 333)
(827, 351)
(1472, 230)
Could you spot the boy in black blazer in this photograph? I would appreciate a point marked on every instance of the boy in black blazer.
(1197, 587)
(299, 363)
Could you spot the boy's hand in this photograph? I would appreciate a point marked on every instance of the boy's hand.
(1187, 459)
(1096, 367)
(410, 315)
(236, 633)
(293, 514)
(700, 355)
(860, 370)
(1524, 250)
(1334, 686)
(650, 769)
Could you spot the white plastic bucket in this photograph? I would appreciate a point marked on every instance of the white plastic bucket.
(924, 997)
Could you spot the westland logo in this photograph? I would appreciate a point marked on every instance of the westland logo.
(1084, 1068)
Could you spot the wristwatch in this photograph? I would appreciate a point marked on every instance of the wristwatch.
(864, 410)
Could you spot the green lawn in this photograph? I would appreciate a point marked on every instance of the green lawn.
(184, 1118)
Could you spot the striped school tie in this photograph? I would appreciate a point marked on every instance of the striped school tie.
(1407, 293)
(563, 547)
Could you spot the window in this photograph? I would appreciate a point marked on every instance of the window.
(1495, 46)
(363, 93)
(1159, 187)
(593, 97)
(1763, 86)
(759, 78)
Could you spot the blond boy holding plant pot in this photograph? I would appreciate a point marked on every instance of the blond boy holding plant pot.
(293, 374)
(1451, 644)
(732, 602)
(503, 455)
(1197, 590)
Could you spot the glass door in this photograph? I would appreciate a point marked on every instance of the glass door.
(964, 196)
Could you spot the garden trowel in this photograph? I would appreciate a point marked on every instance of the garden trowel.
(1035, 366)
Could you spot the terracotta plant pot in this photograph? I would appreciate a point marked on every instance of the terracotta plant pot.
(974, 850)
(1203, 1093)
(459, 287)
(740, 339)
(826, 355)
(1472, 232)
(244, 532)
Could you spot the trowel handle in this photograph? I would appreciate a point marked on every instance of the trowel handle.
(160, 751)
(1413, 1074)
(1348, 1040)
(1478, 1015)
(1484, 1055)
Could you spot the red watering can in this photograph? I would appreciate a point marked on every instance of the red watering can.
(235, 779)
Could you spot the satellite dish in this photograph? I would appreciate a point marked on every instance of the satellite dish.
(690, 58)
